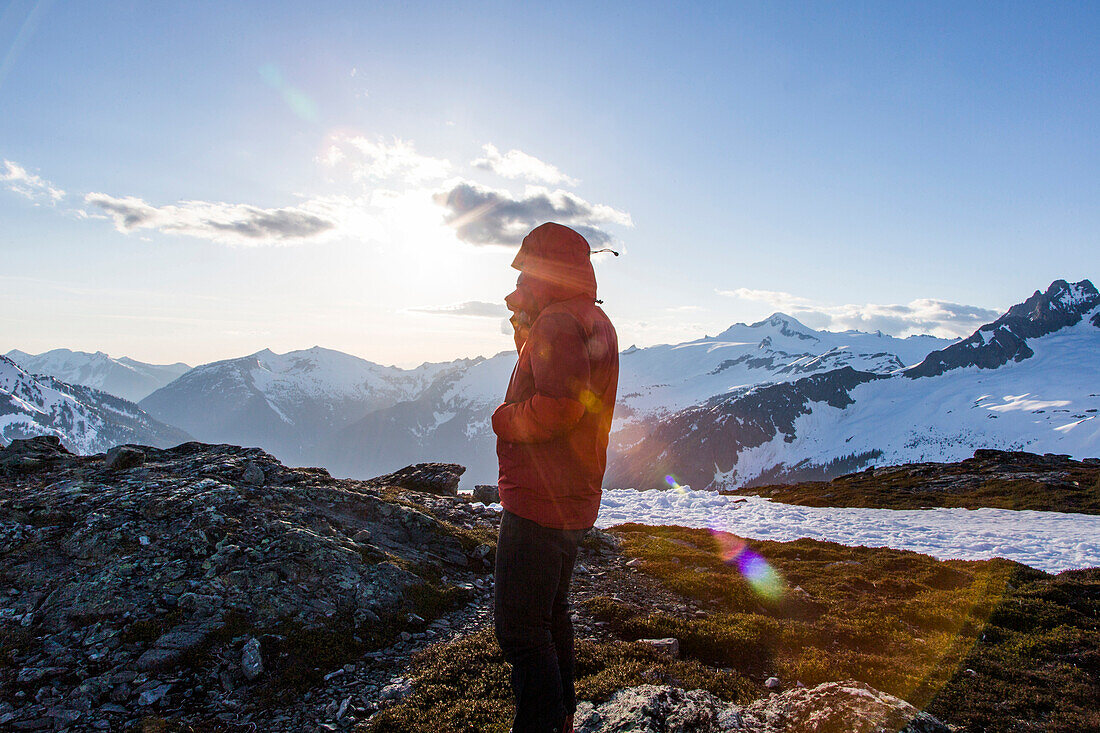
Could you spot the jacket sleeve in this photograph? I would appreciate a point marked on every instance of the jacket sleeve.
(559, 365)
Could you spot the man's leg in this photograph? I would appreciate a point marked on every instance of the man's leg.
(561, 623)
(528, 569)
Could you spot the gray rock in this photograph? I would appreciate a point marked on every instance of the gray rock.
(833, 706)
(432, 478)
(154, 695)
(122, 457)
(772, 683)
(652, 709)
(396, 689)
(173, 646)
(252, 663)
(668, 645)
(253, 474)
(487, 494)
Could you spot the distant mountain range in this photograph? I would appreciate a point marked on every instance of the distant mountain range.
(450, 420)
(764, 402)
(1029, 380)
(126, 378)
(289, 404)
(87, 420)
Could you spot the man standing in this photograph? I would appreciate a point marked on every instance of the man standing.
(552, 433)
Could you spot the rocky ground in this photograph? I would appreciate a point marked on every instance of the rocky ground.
(210, 588)
(992, 478)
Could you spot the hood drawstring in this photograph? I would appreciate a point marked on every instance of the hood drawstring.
(596, 252)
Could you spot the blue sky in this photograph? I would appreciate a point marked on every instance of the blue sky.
(202, 180)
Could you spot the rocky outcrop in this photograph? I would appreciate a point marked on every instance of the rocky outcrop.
(32, 454)
(432, 478)
(209, 584)
(487, 494)
(991, 478)
(850, 706)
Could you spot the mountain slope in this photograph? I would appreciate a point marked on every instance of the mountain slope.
(85, 419)
(1030, 380)
(284, 403)
(659, 380)
(449, 421)
(124, 377)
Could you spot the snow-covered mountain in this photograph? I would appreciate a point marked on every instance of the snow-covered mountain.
(124, 377)
(285, 403)
(659, 380)
(1030, 380)
(85, 419)
(450, 420)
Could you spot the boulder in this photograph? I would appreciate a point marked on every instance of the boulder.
(253, 475)
(653, 709)
(833, 706)
(431, 478)
(122, 457)
(487, 494)
(32, 453)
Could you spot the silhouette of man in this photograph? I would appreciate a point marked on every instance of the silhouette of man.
(552, 433)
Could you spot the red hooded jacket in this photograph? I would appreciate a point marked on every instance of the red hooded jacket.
(552, 429)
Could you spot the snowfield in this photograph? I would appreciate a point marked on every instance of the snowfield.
(1049, 541)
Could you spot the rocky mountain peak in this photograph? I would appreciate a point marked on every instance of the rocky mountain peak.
(994, 344)
(777, 324)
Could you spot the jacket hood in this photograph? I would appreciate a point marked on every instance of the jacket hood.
(558, 258)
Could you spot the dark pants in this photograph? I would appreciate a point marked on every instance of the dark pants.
(531, 609)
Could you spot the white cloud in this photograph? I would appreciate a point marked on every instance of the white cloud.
(219, 222)
(381, 160)
(477, 308)
(485, 216)
(776, 298)
(518, 164)
(25, 183)
(923, 315)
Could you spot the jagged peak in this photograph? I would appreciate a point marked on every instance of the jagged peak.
(1063, 304)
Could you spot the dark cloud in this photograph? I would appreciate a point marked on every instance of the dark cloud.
(278, 223)
(485, 217)
(233, 223)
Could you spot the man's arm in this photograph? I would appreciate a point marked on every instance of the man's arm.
(559, 363)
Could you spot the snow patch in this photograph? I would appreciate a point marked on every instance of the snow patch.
(1049, 541)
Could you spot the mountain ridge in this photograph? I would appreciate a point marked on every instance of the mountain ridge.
(1032, 387)
(86, 419)
(123, 377)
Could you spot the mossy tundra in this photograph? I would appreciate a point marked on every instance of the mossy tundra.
(983, 645)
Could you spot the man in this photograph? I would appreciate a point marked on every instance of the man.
(552, 433)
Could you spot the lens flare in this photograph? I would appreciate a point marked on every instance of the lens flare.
(764, 580)
(299, 103)
(675, 485)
